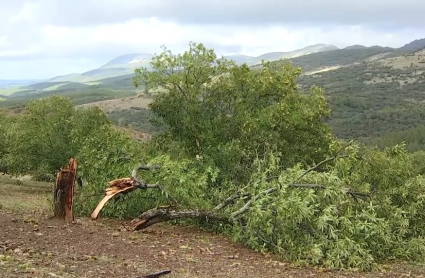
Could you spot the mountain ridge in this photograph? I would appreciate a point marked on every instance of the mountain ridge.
(127, 63)
(311, 58)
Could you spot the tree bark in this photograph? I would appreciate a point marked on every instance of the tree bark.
(64, 191)
(167, 213)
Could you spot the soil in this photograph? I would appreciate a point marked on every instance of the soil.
(33, 245)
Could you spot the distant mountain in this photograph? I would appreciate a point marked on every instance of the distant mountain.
(122, 65)
(126, 64)
(272, 56)
(413, 46)
(129, 60)
(356, 46)
(310, 58)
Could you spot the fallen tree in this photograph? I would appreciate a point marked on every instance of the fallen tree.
(351, 210)
(173, 212)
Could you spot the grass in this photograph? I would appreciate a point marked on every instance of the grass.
(54, 87)
(10, 90)
(24, 194)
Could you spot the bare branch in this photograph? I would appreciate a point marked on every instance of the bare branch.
(325, 161)
(250, 202)
(230, 199)
(141, 184)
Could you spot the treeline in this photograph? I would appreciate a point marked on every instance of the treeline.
(247, 146)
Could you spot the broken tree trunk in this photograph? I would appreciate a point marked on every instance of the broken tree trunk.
(64, 191)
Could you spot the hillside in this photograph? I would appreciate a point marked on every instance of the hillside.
(374, 97)
(413, 46)
(272, 56)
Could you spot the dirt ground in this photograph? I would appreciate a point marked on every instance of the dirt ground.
(32, 244)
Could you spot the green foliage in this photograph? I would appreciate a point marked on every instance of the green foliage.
(3, 129)
(414, 138)
(327, 226)
(231, 114)
(136, 118)
(107, 154)
(40, 139)
(48, 134)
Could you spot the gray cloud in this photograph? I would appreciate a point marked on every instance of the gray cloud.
(28, 33)
(391, 13)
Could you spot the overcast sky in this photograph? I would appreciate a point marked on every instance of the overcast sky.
(46, 38)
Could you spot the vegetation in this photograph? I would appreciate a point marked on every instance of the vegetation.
(136, 118)
(77, 97)
(248, 145)
(370, 100)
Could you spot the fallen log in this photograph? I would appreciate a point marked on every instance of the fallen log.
(164, 214)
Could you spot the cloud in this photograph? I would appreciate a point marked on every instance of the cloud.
(84, 34)
(401, 13)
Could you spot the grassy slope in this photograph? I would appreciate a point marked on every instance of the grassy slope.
(10, 90)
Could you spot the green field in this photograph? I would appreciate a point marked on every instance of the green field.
(10, 90)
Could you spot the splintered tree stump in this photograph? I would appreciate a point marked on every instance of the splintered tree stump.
(64, 191)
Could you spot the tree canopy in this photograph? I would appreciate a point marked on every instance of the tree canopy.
(232, 114)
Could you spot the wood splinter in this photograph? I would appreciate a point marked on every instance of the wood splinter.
(123, 186)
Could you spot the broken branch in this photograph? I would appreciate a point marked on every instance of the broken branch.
(155, 275)
(164, 214)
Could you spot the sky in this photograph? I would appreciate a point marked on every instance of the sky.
(40, 39)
